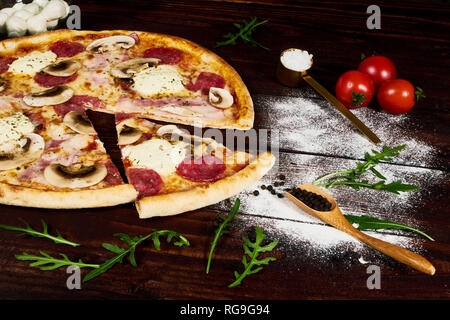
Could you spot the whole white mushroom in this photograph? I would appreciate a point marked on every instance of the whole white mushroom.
(36, 24)
(23, 14)
(18, 6)
(16, 27)
(54, 10)
(8, 11)
(52, 24)
(33, 8)
(3, 18)
(41, 3)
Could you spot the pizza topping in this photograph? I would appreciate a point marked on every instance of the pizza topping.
(53, 96)
(32, 62)
(109, 43)
(202, 169)
(79, 122)
(113, 177)
(146, 181)
(119, 117)
(220, 98)
(128, 135)
(14, 126)
(166, 55)
(205, 81)
(66, 48)
(128, 68)
(163, 79)
(74, 176)
(15, 153)
(48, 81)
(157, 154)
(3, 85)
(5, 62)
(63, 68)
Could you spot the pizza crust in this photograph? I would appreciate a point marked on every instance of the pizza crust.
(178, 202)
(29, 197)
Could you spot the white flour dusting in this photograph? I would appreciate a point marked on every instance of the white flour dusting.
(314, 126)
(297, 229)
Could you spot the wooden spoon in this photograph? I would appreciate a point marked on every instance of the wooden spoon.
(335, 218)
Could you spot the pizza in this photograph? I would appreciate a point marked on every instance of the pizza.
(51, 155)
(174, 171)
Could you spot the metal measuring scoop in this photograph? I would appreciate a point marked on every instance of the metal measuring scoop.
(293, 78)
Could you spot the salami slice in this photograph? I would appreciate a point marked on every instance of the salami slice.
(66, 48)
(146, 181)
(205, 169)
(113, 177)
(49, 81)
(78, 103)
(205, 81)
(5, 62)
(166, 55)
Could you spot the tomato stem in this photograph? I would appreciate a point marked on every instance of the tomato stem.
(358, 98)
(419, 94)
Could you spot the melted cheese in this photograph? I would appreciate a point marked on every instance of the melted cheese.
(14, 126)
(159, 80)
(156, 154)
(32, 63)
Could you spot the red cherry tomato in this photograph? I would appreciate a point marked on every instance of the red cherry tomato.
(379, 69)
(396, 96)
(355, 89)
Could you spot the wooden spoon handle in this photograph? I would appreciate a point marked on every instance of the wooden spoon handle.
(400, 254)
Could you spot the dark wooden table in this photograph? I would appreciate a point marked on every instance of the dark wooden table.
(414, 34)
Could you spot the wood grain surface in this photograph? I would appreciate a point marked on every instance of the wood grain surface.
(414, 35)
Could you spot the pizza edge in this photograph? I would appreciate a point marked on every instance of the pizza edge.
(76, 199)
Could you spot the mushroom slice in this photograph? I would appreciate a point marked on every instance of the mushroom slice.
(15, 153)
(74, 176)
(169, 129)
(63, 68)
(128, 68)
(52, 96)
(79, 122)
(104, 44)
(220, 98)
(128, 135)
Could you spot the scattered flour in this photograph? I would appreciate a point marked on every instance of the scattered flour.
(314, 126)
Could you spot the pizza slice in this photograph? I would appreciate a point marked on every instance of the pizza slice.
(175, 172)
(51, 157)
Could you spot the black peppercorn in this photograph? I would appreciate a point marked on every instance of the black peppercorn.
(311, 199)
(256, 192)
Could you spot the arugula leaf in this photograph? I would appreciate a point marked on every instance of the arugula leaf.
(352, 177)
(50, 263)
(44, 234)
(246, 30)
(221, 230)
(370, 223)
(121, 253)
(252, 250)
